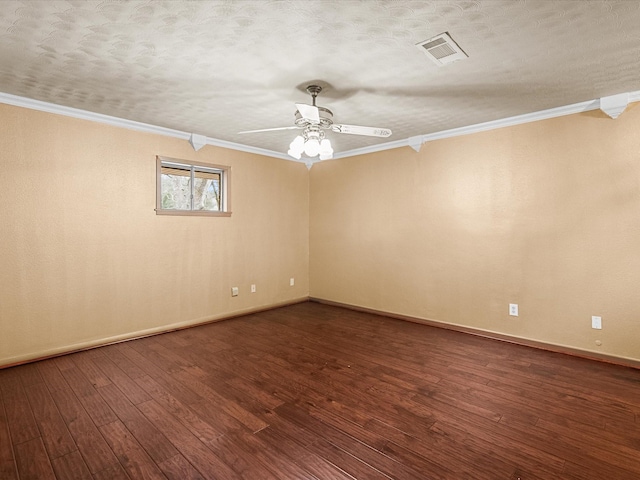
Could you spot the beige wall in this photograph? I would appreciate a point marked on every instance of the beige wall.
(84, 259)
(545, 215)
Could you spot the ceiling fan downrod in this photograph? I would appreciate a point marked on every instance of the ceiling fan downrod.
(314, 90)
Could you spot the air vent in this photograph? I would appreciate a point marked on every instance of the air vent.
(441, 49)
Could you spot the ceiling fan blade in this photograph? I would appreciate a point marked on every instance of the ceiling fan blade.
(309, 112)
(359, 130)
(269, 129)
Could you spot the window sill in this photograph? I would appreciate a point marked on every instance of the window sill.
(192, 213)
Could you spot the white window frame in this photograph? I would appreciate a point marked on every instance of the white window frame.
(225, 175)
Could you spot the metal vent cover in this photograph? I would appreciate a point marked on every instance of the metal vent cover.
(442, 49)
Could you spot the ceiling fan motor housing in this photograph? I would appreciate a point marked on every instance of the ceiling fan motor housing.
(313, 132)
(326, 119)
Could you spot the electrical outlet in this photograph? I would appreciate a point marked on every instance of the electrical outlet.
(596, 322)
(292, 282)
(234, 291)
(253, 288)
(513, 309)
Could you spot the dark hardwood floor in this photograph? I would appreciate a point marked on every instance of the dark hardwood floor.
(313, 391)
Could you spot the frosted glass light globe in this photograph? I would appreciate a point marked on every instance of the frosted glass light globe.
(312, 147)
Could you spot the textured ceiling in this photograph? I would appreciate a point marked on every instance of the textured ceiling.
(219, 67)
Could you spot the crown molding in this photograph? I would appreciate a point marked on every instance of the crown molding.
(379, 147)
(614, 105)
(517, 120)
(479, 127)
(634, 96)
(414, 142)
(132, 125)
(249, 149)
(91, 116)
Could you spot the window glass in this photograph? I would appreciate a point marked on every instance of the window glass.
(176, 188)
(206, 190)
(185, 188)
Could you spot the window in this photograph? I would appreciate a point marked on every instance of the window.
(185, 188)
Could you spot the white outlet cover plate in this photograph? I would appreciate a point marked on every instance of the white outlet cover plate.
(513, 309)
(292, 281)
(253, 288)
(234, 291)
(596, 322)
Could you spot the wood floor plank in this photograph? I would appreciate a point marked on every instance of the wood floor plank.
(204, 419)
(132, 370)
(7, 456)
(29, 374)
(133, 392)
(84, 362)
(316, 392)
(145, 365)
(180, 361)
(204, 428)
(210, 413)
(248, 403)
(366, 450)
(251, 391)
(291, 448)
(178, 468)
(280, 466)
(72, 467)
(576, 450)
(178, 390)
(22, 424)
(334, 380)
(233, 362)
(51, 375)
(587, 471)
(604, 440)
(144, 347)
(91, 400)
(234, 410)
(401, 411)
(56, 437)
(114, 472)
(196, 452)
(145, 433)
(346, 462)
(567, 403)
(64, 362)
(131, 455)
(517, 456)
(228, 449)
(440, 450)
(422, 464)
(32, 460)
(378, 442)
(94, 449)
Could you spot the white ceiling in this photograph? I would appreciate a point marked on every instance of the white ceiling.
(219, 67)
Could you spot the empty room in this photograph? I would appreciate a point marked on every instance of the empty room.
(318, 239)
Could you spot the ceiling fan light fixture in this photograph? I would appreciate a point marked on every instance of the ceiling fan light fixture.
(296, 147)
(314, 120)
(325, 148)
(297, 144)
(312, 147)
(294, 153)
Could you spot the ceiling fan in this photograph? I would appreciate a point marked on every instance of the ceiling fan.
(314, 120)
